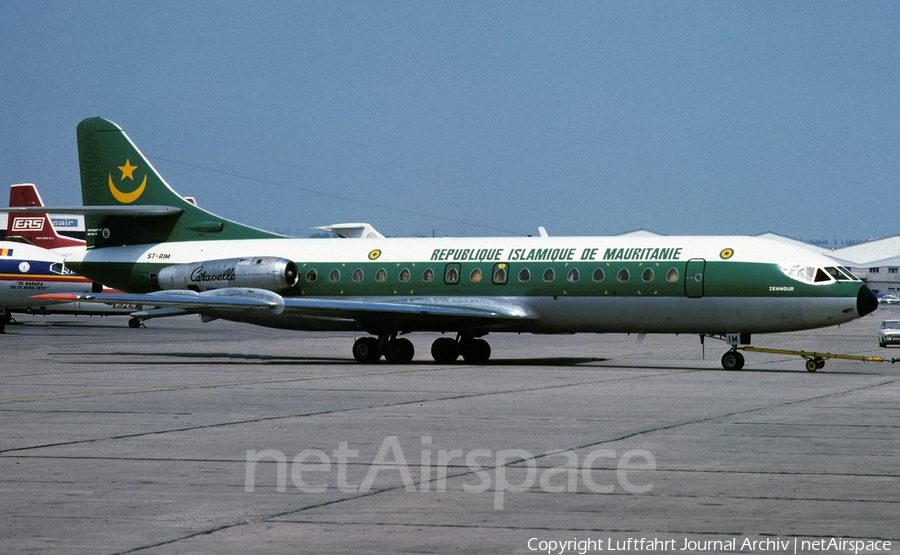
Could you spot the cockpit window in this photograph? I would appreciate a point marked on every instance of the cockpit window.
(840, 274)
(807, 274)
(58, 268)
(821, 276)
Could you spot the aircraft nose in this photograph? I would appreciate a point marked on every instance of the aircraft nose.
(866, 301)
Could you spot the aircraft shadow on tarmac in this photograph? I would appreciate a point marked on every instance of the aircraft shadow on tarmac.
(582, 363)
(218, 358)
(33, 321)
(160, 357)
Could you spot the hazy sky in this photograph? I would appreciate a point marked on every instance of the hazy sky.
(480, 118)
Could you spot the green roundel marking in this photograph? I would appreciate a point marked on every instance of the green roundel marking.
(726, 254)
(374, 254)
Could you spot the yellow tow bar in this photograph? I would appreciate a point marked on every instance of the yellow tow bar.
(815, 360)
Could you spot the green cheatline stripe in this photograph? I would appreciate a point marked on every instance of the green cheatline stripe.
(720, 279)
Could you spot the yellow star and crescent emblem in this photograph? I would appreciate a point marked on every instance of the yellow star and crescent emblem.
(127, 171)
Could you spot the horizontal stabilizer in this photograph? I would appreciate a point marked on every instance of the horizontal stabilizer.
(144, 211)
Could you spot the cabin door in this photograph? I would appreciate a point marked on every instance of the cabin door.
(693, 278)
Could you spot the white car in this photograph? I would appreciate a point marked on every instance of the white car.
(889, 299)
(889, 334)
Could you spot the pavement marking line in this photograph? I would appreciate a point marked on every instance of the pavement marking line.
(320, 413)
(277, 379)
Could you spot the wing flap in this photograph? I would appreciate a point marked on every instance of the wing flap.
(362, 308)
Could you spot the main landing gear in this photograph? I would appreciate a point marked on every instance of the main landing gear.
(445, 350)
(396, 351)
(473, 351)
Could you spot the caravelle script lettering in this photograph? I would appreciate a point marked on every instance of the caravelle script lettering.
(199, 275)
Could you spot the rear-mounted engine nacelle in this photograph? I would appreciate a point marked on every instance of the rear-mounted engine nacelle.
(263, 272)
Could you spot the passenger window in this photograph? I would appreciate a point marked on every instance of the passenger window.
(647, 275)
(525, 274)
(598, 275)
(311, 275)
(404, 274)
(428, 275)
(335, 275)
(549, 274)
(500, 274)
(451, 274)
(672, 275)
(357, 275)
(475, 275)
(623, 275)
(381, 274)
(574, 275)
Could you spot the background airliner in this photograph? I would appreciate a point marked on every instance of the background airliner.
(31, 263)
(145, 239)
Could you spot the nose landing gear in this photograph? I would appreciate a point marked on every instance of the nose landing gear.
(732, 360)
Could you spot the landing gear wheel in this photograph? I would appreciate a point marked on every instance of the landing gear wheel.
(812, 365)
(445, 350)
(365, 350)
(475, 351)
(134, 323)
(399, 351)
(732, 360)
(6, 317)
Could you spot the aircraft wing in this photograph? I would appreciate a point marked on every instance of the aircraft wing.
(420, 312)
(233, 298)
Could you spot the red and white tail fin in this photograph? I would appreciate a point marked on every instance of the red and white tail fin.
(34, 228)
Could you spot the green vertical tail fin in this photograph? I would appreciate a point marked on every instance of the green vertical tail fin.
(114, 173)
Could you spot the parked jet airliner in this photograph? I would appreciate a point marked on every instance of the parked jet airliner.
(31, 263)
(146, 239)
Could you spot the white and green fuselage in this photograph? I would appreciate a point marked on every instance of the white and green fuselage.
(709, 285)
(146, 239)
